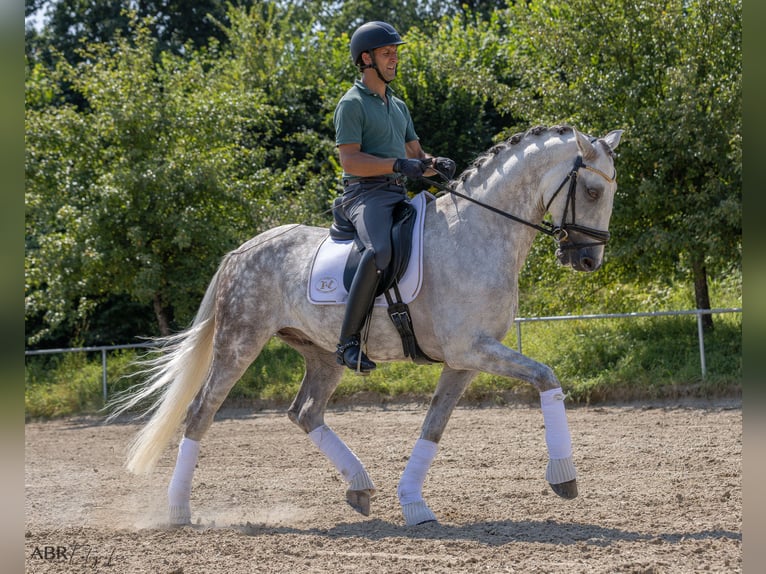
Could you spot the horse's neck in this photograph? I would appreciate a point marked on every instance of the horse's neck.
(517, 177)
(513, 181)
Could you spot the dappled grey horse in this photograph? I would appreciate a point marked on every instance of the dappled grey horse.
(475, 240)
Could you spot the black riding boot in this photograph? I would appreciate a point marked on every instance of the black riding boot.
(361, 296)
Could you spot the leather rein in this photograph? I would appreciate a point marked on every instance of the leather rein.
(560, 233)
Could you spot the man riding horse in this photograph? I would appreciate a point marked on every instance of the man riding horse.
(377, 145)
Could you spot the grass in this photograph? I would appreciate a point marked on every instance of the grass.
(71, 383)
(596, 360)
(653, 357)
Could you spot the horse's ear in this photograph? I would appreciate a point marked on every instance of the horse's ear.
(586, 148)
(613, 138)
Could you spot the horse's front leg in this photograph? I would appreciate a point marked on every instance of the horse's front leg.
(307, 411)
(491, 356)
(450, 388)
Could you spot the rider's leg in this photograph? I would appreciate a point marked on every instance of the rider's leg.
(371, 212)
(361, 296)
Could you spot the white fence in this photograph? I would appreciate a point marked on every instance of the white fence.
(519, 321)
(103, 349)
(698, 312)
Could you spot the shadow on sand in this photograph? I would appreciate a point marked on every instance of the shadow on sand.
(496, 533)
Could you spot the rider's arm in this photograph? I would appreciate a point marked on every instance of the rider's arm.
(354, 160)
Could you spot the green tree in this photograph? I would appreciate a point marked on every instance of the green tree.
(142, 191)
(670, 73)
(241, 132)
(336, 18)
(300, 71)
(71, 24)
(452, 79)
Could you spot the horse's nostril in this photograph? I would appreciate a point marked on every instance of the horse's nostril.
(587, 263)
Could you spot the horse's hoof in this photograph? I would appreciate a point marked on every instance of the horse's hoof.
(566, 489)
(417, 513)
(180, 515)
(359, 500)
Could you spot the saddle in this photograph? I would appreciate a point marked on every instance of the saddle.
(401, 244)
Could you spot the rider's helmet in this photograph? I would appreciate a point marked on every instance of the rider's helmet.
(373, 35)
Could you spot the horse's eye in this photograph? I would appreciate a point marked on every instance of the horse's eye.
(593, 193)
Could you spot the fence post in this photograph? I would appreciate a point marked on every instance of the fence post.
(103, 372)
(518, 333)
(701, 337)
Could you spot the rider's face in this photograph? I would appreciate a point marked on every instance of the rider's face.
(387, 58)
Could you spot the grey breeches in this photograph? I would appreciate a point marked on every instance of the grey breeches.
(370, 208)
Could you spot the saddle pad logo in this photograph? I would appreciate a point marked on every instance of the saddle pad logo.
(326, 285)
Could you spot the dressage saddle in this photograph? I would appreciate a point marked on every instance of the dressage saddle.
(401, 241)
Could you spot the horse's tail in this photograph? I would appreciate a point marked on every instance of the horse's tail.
(177, 376)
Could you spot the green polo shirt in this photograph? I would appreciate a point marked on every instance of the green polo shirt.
(362, 117)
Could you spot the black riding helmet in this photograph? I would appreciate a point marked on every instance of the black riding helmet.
(372, 35)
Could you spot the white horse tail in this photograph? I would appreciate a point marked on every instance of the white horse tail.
(176, 375)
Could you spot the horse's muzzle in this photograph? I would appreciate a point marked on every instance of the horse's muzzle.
(580, 259)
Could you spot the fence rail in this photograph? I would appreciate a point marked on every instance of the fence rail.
(698, 312)
(103, 349)
(518, 321)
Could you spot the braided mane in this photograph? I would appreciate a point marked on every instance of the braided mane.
(516, 138)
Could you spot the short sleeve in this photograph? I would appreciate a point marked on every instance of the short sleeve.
(409, 132)
(349, 122)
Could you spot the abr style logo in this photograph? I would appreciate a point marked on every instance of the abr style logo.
(83, 554)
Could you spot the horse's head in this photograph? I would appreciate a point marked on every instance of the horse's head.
(582, 205)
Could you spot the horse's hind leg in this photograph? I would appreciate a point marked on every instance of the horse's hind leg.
(225, 370)
(307, 411)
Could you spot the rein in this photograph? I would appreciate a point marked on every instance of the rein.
(560, 234)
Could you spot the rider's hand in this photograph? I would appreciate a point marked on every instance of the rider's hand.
(445, 166)
(412, 168)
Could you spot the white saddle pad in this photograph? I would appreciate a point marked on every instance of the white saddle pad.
(326, 277)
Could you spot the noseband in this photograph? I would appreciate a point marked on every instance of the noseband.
(560, 233)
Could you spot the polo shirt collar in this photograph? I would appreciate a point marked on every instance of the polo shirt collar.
(361, 85)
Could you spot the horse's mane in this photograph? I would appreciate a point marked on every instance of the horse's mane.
(515, 139)
(492, 152)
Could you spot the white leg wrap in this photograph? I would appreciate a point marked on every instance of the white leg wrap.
(560, 470)
(417, 513)
(410, 490)
(342, 458)
(560, 466)
(414, 475)
(179, 490)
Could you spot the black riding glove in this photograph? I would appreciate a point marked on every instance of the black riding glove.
(445, 166)
(412, 168)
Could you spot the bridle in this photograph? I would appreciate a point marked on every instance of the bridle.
(559, 233)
